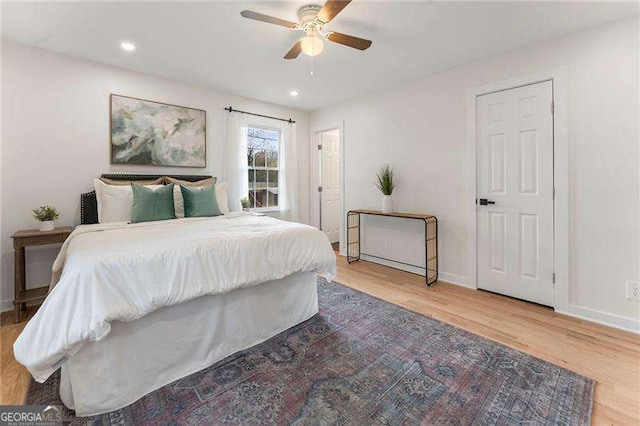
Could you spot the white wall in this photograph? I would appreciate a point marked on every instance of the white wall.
(55, 140)
(420, 129)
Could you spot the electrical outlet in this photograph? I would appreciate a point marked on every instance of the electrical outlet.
(633, 290)
(387, 243)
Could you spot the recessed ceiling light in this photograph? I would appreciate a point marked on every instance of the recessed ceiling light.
(293, 93)
(128, 46)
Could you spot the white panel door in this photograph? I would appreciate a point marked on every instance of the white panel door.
(330, 183)
(515, 171)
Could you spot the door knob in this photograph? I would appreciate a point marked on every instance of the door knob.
(484, 202)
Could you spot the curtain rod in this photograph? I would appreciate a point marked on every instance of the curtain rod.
(288, 120)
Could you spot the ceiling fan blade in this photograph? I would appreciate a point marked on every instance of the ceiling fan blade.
(268, 19)
(331, 8)
(351, 41)
(295, 51)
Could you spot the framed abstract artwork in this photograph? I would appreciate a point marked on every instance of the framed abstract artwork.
(156, 134)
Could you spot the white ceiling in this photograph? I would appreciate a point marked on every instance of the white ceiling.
(210, 45)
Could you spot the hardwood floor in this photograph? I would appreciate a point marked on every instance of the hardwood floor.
(14, 378)
(610, 356)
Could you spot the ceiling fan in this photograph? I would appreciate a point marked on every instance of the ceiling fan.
(311, 20)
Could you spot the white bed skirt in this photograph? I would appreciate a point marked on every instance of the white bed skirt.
(141, 356)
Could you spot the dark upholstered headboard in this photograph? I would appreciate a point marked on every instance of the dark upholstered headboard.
(89, 203)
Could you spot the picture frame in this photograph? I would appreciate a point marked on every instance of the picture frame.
(152, 133)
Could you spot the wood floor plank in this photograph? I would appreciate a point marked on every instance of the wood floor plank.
(608, 355)
(15, 378)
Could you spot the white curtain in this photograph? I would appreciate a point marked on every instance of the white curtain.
(235, 159)
(236, 167)
(288, 179)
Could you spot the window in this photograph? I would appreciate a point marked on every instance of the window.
(263, 159)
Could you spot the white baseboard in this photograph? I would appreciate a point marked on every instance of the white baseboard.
(588, 314)
(454, 279)
(442, 276)
(392, 264)
(6, 305)
(603, 318)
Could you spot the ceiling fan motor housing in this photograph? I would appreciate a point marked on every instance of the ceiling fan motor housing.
(308, 14)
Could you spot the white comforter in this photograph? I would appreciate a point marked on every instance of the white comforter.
(121, 272)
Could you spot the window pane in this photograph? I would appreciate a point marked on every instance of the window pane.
(259, 158)
(256, 132)
(273, 197)
(262, 153)
(273, 178)
(252, 179)
(271, 144)
(261, 198)
(261, 178)
(272, 159)
(250, 152)
(255, 143)
(251, 142)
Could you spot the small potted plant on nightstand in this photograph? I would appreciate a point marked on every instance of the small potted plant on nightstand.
(245, 204)
(46, 216)
(386, 184)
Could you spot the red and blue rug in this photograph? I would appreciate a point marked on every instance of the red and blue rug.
(362, 360)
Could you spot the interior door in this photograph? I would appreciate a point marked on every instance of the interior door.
(515, 192)
(330, 183)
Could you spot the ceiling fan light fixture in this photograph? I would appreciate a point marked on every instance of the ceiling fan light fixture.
(311, 45)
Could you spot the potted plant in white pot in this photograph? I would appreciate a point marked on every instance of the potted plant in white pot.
(385, 184)
(46, 216)
(245, 204)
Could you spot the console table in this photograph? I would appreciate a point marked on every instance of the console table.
(430, 239)
(28, 238)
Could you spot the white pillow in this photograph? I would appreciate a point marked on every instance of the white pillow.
(178, 202)
(115, 201)
(221, 197)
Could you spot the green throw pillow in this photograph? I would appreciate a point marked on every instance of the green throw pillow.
(200, 201)
(150, 205)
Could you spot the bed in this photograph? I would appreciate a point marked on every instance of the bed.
(138, 306)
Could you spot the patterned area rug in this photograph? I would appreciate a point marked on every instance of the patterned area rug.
(363, 361)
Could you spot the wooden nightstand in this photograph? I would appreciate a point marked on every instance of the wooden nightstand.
(29, 238)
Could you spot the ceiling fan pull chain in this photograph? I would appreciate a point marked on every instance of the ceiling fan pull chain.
(312, 62)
